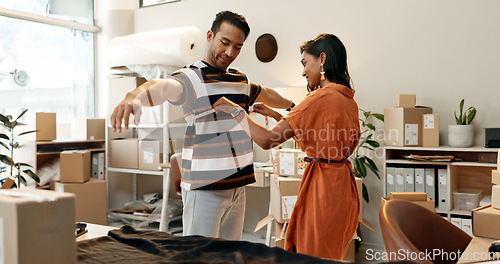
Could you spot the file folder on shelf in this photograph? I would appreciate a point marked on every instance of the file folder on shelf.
(430, 185)
(443, 197)
(409, 180)
(419, 179)
(390, 181)
(400, 181)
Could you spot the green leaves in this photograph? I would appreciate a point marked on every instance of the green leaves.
(360, 167)
(379, 117)
(10, 144)
(32, 175)
(24, 112)
(362, 163)
(3, 119)
(465, 118)
(27, 132)
(366, 197)
(7, 160)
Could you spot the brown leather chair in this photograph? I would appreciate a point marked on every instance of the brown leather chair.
(411, 232)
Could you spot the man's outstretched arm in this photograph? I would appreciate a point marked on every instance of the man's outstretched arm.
(151, 93)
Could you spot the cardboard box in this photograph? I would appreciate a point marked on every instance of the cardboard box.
(403, 126)
(88, 129)
(430, 130)
(75, 166)
(486, 222)
(45, 123)
(406, 100)
(37, 226)
(262, 178)
(409, 196)
(279, 234)
(150, 154)
(283, 197)
(91, 203)
(495, 196)
(495, 177)
(429, 204)
(291, 162)
(123, 153)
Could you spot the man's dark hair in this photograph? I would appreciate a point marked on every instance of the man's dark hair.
(232, 18)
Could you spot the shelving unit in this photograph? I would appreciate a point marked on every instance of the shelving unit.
(159, 128)
(40, 153)
(474, 171)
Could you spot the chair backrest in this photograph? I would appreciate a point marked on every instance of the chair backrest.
(413, 233)
(175, 171)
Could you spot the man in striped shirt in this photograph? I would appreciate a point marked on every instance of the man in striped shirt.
(217, 157)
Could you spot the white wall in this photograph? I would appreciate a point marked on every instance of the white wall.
(442, 51)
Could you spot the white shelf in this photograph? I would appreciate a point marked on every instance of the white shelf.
(474, 164)
(461, 212)
(469, 173)
(446, 148)
(135, 171)
(414, 162)
(437, 163)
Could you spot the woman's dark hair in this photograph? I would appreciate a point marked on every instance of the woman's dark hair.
(232, 18)
(335, 66)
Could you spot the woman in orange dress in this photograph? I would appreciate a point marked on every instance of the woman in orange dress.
(326, 126)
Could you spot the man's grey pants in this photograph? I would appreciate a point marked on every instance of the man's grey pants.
(214, 213)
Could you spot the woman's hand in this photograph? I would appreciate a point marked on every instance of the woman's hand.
(266, 111)
(224, 105)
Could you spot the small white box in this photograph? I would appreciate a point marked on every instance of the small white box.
(291, 162)
(457, 221)
(467, 226)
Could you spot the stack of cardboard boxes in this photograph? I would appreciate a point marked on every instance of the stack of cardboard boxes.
(486, 219)
(132, 153)
(410, 125)
(76, 171)
(284, 190)
(144, 149)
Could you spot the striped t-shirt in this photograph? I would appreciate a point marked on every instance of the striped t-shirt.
(217, 152)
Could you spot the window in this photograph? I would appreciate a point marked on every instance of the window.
(58, 60)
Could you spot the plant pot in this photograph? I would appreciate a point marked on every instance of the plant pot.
(461, 136)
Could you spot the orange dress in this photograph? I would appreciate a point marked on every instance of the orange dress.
(325, 215)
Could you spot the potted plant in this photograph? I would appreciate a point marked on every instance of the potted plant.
(366, 141)
(461, 135)
(10, 143)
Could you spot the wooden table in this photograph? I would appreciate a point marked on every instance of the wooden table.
(477, 251)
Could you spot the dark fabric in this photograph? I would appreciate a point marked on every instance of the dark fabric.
(127, 245)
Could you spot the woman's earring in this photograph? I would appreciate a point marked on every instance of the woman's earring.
(322, 72)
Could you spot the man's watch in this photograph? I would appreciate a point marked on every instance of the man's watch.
(236, 111)
(290, 108)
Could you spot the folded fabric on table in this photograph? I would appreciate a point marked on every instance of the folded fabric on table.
(127, 245)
